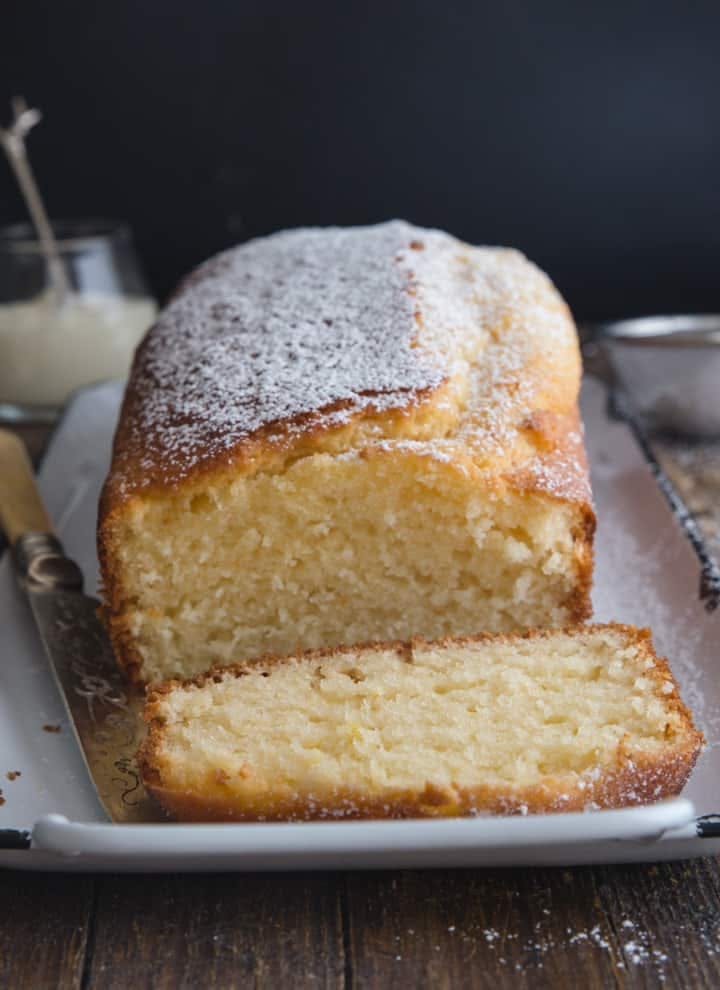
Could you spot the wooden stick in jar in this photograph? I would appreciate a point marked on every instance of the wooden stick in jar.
(13, 141)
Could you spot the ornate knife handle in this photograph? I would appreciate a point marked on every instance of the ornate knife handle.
(41, 564)
(37, 553)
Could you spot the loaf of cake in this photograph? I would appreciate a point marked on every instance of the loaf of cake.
(337, 435)
(517, 724)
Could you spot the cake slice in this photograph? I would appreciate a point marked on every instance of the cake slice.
(339, 435)
(541, 722)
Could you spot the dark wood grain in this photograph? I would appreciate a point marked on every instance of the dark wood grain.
(636, 926)
(675, 910)
(476, 929)
(631, 926)
(224, 931)
(44, 924)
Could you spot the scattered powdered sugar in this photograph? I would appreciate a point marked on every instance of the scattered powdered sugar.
(639, 949)
(597, 938)
(628, 945)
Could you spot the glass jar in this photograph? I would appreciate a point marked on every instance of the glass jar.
(50, 344)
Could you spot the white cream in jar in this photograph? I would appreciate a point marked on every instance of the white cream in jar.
(48, 350)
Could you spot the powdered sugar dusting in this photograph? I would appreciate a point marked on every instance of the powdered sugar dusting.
(629, 946)
(280, 328)
(312, 328)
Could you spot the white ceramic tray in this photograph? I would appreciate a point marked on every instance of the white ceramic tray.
(648, 572)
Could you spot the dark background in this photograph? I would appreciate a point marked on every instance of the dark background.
(587, 134)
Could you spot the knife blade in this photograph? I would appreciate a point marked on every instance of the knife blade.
(103, 708)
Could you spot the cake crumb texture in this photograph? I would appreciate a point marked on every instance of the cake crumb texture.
(566, 720)
(339, 435)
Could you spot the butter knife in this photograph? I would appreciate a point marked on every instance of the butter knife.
(104, 710)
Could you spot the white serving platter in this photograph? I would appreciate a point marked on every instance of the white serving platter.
(648, 572)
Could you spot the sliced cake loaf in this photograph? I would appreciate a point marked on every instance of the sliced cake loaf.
(552, 721)
(338, 435)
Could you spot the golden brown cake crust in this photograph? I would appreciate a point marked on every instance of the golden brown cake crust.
(642, 779)
(255, 361)
(386, 341)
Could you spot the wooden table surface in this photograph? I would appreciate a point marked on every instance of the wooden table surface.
(589, 927)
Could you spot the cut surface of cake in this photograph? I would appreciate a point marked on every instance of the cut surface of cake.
(338, 435)
(537, 722)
